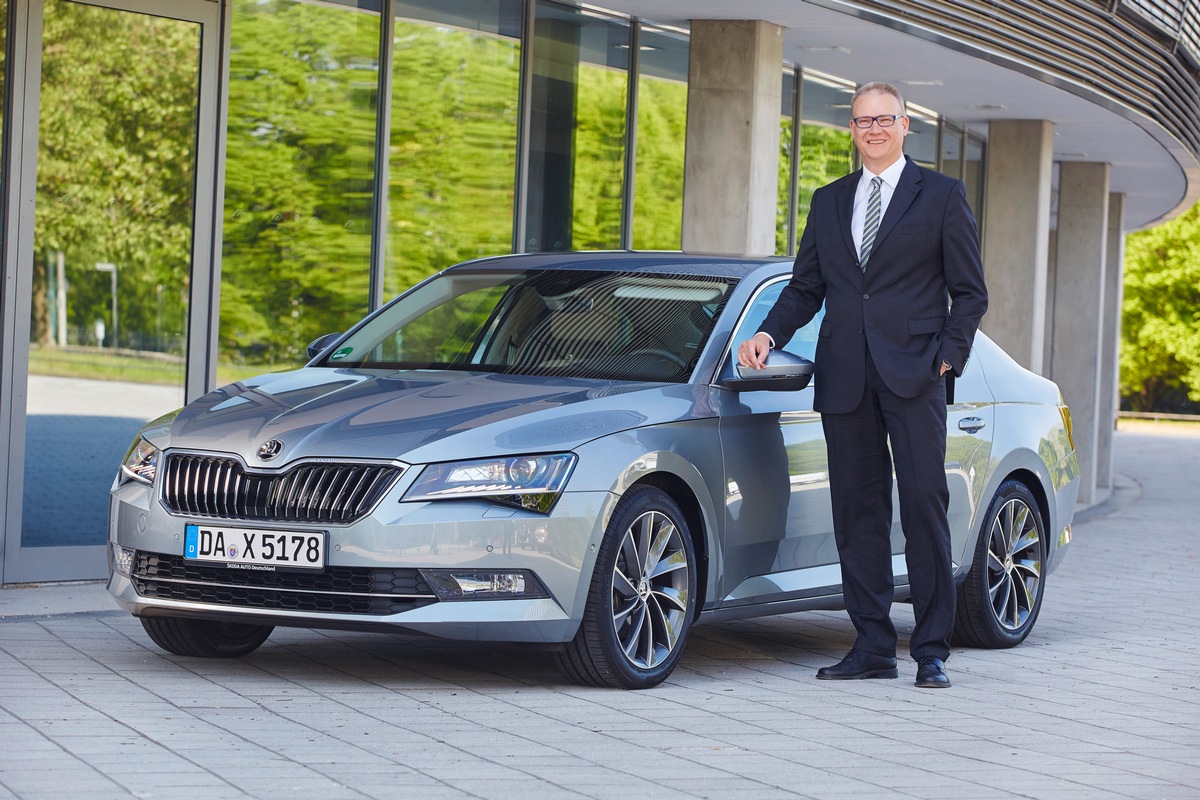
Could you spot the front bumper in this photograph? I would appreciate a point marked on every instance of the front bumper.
(373, 578)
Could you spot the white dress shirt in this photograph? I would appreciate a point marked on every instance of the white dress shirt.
(891, 177)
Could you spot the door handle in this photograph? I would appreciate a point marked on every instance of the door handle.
(971, 424)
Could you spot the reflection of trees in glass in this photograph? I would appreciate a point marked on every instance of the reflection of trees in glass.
(453, 150)
(599, 158)
(448, 333)
(784, 185)
(116, 154)
(825, 154)
(658, 185)
(299, 173)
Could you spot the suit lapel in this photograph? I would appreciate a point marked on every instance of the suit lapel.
(906, 191)
(845, 209)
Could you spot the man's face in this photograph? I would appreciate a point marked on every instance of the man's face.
(879, 147)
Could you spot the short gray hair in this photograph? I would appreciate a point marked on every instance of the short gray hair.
(881, 88)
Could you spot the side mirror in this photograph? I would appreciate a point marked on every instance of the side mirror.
(784, 372)
(318, 345)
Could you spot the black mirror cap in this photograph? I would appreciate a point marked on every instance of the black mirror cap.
(784, 372)
(318, 345)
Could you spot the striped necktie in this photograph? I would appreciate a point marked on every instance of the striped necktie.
(871, 224)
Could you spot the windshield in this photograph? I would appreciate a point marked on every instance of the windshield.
(565, 323)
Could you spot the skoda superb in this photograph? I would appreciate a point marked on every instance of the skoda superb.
(558, 449)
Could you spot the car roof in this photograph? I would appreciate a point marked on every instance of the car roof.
(673, 263)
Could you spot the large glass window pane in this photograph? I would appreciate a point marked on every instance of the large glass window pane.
(3, 83)
(453, 138)
(826, 148)
(299, 178)
(973, 174)
(577, 130)
(787, 130)
(112, 255)
(661, 132)
(952, 150)
(921, 144)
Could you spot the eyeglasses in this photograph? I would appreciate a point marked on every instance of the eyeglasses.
(884, 120)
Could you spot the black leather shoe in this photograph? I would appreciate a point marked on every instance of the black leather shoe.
(859, 664)
(931, 673)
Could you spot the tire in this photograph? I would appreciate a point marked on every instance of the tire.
(640, 607)
(205, 639)
(999, 602)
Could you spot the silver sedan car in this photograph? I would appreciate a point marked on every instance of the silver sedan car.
(560, 449)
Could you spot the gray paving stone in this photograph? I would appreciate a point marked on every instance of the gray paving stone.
(1101, 703)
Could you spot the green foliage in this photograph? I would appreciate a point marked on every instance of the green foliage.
(599, 158)
(826, 153)
(1160, 337)
(453, 145)
(115, 167)
(299, 176)
(782, 201)
(658, 182)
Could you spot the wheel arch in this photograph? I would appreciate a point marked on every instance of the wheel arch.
(1030, 481)
(678, 490)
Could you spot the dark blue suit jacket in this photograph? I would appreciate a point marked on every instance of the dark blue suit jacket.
(918, 303)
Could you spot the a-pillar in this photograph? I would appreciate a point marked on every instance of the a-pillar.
(1110, 340)
(731, 167)
(1017, 224)
(1080, 276)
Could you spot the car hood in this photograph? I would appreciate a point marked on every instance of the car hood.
(417, 416)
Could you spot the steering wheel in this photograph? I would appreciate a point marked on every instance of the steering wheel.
(660, 354)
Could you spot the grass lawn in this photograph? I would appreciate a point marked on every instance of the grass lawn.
(135, 367)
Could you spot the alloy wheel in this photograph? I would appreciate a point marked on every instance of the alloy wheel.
(650, 590)
(1014, 564)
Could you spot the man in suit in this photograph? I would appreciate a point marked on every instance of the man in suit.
(893, 252)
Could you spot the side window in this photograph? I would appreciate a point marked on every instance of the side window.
(803, 343)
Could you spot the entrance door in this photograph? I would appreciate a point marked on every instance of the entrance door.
(114, 159)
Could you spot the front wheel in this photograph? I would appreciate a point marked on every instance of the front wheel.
(1002, 595)
(205, 639)
(641, 600)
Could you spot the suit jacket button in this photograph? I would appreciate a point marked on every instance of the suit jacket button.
(866, 297)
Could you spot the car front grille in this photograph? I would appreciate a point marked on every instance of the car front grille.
(335, 590)
(217, 486)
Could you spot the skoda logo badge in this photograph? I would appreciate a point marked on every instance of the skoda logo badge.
(270, 449)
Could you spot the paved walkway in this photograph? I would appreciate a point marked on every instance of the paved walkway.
(1100, 703)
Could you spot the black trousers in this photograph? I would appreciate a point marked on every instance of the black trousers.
(860, 479)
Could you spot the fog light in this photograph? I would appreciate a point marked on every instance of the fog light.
(120, 560)
(449, 584)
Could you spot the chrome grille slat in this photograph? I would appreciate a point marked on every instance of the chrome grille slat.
(210, 486)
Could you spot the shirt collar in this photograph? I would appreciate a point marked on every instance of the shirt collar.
(891, 175)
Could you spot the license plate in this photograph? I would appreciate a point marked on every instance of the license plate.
(245, 548)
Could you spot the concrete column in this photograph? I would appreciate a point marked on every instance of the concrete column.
(731, 165)
(1017, 221)
(1110, 340)
(1078, 303)
(1051, 265)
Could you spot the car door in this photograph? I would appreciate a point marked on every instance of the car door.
(778, 523)
(779, 541)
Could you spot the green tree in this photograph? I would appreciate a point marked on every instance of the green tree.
(1160, 336)
(115, 165)
(299, 177)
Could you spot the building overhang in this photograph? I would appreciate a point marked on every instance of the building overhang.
(971, 84)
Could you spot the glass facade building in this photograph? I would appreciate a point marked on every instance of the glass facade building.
(204, 188)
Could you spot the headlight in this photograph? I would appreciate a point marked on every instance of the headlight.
(530, 482)
(141, 462)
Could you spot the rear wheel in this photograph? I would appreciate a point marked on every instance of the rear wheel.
(205, 639)
(999, 602)
(641, 600)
